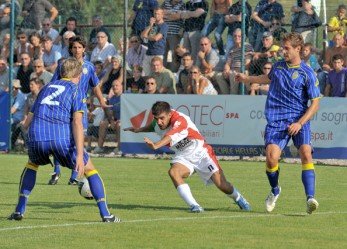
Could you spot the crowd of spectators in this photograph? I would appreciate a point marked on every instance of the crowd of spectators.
(170, 50)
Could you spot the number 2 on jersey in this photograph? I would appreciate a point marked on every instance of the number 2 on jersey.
(49, 99)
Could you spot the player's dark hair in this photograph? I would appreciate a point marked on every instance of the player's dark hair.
(337, 57)
(160, 107)
(78, 39)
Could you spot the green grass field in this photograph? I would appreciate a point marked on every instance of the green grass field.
(141, 193)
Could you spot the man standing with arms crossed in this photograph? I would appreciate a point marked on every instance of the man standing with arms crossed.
(288, 115)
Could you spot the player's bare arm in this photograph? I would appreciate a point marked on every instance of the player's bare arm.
(260, 79)
(162, 142)
(101, 99)
(141, 129)
(28, 120)
(78, 134)
(294, 128)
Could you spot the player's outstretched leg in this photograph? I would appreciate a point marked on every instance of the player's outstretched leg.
(56, 174)
(26, 185)
(98, 190)
(272, 175)
(308, 178)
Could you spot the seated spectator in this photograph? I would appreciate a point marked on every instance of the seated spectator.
(166, 81)
(136, 52)
(277, 30)
(51, 54)
(180, 50)
(70, 25)
(225, 80)
(24, 71)
(103, 50)
(337, 78)
(184, 76)
(5, 48)
(112, 74)
(136, 84)
(98, 26)
(35, 50)
(65, 53)
(40, 72)
(4, 75)
(17, 110)
(99, 69)
(337, 24)
(199, 84)
(261, 89)
(112, 119)
(155, 34)
(151, 86)
(47, 29)
(95, 116)
(274, 54)
(23, 45)
(5, 21)
(338, 48)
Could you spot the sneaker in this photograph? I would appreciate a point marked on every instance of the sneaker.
(73, 182)
(54, 179)
(312, 205)
(111, 218)
(270, 201)
(15, 216)
(196, 209)
(88, 148)
(98, 150)
(118, 152)
(243, 203)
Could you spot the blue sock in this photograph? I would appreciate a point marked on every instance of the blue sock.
(272, 175)
(74, 174)
(308, 178)
(98, 190)
(26, 185)
(56, 166)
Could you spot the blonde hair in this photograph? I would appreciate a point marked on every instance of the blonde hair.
(71, 68)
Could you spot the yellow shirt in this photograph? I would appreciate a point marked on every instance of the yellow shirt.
(335, 22)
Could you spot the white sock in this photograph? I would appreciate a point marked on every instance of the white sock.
(235, 195)
(185, 193)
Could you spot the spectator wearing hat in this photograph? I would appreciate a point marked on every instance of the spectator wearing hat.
(274, 54)
(17, 109)
(51, 54)
(259, 58)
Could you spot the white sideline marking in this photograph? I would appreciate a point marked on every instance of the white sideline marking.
(168, 219)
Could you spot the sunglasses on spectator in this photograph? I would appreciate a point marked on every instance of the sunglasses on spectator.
(46, 24)
(149, 83)
(37, 66)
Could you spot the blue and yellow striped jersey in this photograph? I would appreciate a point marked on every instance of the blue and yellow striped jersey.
(53, 111)
(290, 90)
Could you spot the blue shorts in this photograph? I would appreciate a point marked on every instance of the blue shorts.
(280, 136)
(62, 150)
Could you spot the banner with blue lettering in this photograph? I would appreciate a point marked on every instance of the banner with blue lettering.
(4, 119)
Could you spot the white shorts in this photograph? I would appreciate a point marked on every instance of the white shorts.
(204, 164)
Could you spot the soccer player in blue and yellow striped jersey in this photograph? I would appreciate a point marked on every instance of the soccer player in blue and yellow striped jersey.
(292, 85)
(89, 79)
(56, 129)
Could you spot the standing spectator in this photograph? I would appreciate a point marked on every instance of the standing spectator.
(33, 12)
(219, 9)
(136, 52)
(192, 154)
(199, 84)
(172, 8)
(47, 29)
(136, 84)
(155, 33)
(337, 79)
(225, 80)
(24, 71)
(35, 48)
(141, 14)
(166, 82)
(17, 110)
(337, 24)
(97, 26)
(51, 54)
(183, 77)
(263, 13)
(151, 86)
(40, 72)
(194, 15)
(112, 120)
(277, 30)
(70, 25)
(103, 50)
(233, 21)
(65, 53)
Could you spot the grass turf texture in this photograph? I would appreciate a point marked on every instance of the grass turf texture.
(141, 193)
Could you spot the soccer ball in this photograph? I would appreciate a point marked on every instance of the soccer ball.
(84, 189)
